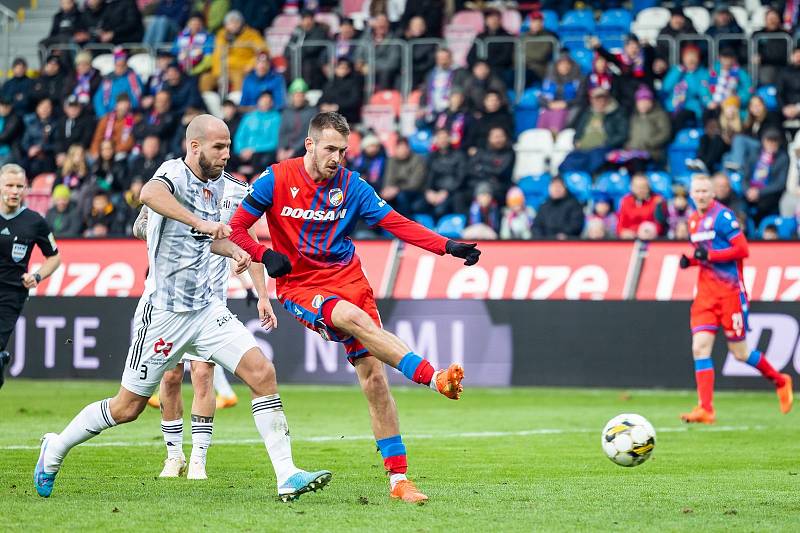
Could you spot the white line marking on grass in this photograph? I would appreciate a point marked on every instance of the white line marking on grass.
(462, 435)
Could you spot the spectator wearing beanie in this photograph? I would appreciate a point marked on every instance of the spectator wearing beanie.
(404, 180)
(560, 216)
(686, 89)
(602, 222)
(62, 216)
(517, 221)
(765, 176)
(263, 78)
(637, 210)
(83, 82)
(371, 162)
(484, 209)
(295, 119)
(649, 132)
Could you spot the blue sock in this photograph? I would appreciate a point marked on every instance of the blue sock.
(408, 365)
(391, 446)
(754, 359)
(703, 364)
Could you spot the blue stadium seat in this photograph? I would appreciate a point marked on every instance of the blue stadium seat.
(421, 141)
(425, 220)
(787, 226)
(526, 112)
(683, 179)
(584, 58)
(576, 22)
(535, 189)
(684, 147)
(769, 94)
(615, 20)
(451, 226)
(574, 42)
(750, 228)
(579, 184)
(641, 5)
(615, 184)
(530, 98)
(550, 22)
(736, 182)
(661, 183)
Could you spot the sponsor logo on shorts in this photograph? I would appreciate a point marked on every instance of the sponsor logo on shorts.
(335, 197)
(162, 347)
(317, 301)
(224, 319)
(310, 214)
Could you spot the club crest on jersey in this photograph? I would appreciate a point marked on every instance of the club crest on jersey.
(18, 252)
(335, 197)
(707, 223)
(317, 301)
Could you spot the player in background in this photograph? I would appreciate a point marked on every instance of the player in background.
(205, 377)
(312, 204)
(179, 313)
(20, 229)
(721, 299)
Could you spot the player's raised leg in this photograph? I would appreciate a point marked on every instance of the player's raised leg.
(702, 344)
(754, 358)
(388, 348)
(172, 422)
(386, 428)
(203, 407)
(226, 397)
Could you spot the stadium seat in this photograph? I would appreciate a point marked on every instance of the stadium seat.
(576, 23)
(420, 141)
(574, 42)
(329, 19)
(684, 179)
(615, 184)
(645, 32)
(286, 21)
(742, 17)
(414, 97)
(351, 6)
(469, 19)
(550, 20)
(579, 184)
(277, 39)
(104, 63)
(787, 226)
(213, 103)
(380, 118)
(388, 97)
(533, 148)
(389, 141)
(653, 17)
(451, 226)
(584, 58)
(684, 147)
(354, 144)
(564, 145)
(699, 16)
(425, 220)
(313, 96)
(660, 183)
(408, 119)
(512, 21)
(535, 188)
(640, 5)
(37, 201)
(459, 41)
(757, 18)
(43, 183)
(615, 21)
(769, 94)
(530, 98)
(737, 184)
(235, 97)
(525, 119)
(142, 65)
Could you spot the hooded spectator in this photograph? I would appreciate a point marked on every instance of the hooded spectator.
(62, 217)
(295, 119)
(344, 93)
(517, 221)
(560, 216)
(83, 82)
(559, 94)
(263, 78)
(123, 80)
(404, 180)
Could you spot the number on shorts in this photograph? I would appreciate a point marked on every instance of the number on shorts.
(143, 371)
(738, 322)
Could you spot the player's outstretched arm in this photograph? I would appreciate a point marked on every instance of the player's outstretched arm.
(276, 263)
(226, 248)
(256, 271)
(156, 196)
(418, 235)
(737, 250)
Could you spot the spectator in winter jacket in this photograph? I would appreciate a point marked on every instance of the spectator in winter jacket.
(492, 165)
(772, 50)
(123, 80)
(445, 192)
(91, 17)
(116, 126)
(311, 56)
(183, 90)
(144, 166)
(648, 133)
(479, 83)
(637, 211)
(404, 180)
(422, 55)
(38, 141)
(50, 82)
(74, 127)
(166, 22)
(387, 56)
(728, 79)
(240, 45)
(494, 115)
(121, 22)
(635, 64)
(602, 222)
(438, 86)
(159, 120)
(788, 88)
(66, 22)
(718, 135)
(83, 82)
(500, 55)
(263, 78)
(344, 93)
(11, 128)
(559, 94)
(295, 119)
(103, 220)
(371, 162)
(517, 221)
(723, 22)
(19, 89)
(600, 76)
(194, 46)
(453, 119)
(538, 54)
(62, 216)
(686, 89)
(765, 174)
(484, 209)
(678, 24)
(256, 141)
(598, 130)
(560, 216)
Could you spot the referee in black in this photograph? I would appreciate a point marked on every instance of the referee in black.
(20, 229)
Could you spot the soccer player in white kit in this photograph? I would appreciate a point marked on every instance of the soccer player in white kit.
(179, 313)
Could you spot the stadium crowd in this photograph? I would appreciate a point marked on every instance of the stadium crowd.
(636, 124)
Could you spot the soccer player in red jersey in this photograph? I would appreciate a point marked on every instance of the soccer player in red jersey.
(312, 204)
(721, 300)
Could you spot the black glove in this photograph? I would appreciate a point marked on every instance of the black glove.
(701, 253)
(685, 261)
(464, 251)
(277, 264)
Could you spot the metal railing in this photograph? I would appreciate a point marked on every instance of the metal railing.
(754, 67)
(8, 20)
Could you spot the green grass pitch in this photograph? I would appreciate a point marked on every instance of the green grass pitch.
(498, 460)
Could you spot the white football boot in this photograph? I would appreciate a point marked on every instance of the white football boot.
(174, 467)
(197, 469)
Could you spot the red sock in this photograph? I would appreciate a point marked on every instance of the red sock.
(705, 388)
(396, 464)
(769, 372)
(424, 373)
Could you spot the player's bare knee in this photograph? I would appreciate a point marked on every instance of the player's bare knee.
(127, 411)
(202, 377)
(173, 378)
(375, 383)
(258, 373)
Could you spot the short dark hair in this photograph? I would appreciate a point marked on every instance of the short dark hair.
(330, 119)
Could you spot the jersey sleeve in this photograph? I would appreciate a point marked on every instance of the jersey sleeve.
(371, 207)
(727, 226)
(231, 199)
(259, 199)
(172, 175)
(45, 240)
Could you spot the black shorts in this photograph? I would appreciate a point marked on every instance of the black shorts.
(11, 304)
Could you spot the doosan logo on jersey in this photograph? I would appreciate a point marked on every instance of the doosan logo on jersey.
(310, 214)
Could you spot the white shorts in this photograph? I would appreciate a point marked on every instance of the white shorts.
(163, 338)
(189, 357)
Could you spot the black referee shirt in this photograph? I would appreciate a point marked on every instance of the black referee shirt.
(18, 233)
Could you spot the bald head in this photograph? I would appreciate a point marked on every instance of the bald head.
(203, 127)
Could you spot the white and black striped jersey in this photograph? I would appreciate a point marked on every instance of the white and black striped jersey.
(235, 191)
(180, 258)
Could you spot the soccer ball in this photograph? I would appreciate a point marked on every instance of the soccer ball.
(628, 439)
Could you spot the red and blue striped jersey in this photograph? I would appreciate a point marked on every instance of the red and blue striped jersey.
(719, 232)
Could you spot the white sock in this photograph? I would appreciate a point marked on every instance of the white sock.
(394, 479)
(173, 437)
(272, 425)
(202, 427)
(221, 384)
(93, 419)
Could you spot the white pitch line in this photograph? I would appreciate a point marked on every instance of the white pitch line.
(463, 435)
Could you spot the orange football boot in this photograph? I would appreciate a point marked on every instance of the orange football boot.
(223, 402)
(448, 381)
(699, 416)
(406, 490)
(153, 401)
(785, 394)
